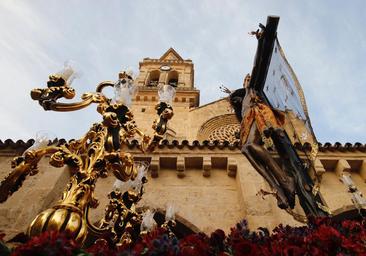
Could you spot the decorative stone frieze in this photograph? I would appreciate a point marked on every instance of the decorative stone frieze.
(232, 167)
(181, 167)
(155, 166)
(207, 165)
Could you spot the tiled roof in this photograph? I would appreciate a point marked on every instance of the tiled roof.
(22, 145)
(17, 144)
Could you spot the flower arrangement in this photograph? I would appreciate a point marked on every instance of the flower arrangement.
(320, 237)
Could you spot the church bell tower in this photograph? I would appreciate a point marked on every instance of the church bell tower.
(171, 69)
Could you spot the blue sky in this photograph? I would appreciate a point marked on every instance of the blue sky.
(324, 41)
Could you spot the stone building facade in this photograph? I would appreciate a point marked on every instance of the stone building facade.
(198, 167)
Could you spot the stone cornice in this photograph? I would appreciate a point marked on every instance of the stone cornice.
(347, 147)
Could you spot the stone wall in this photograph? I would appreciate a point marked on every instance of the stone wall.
(212, 187)
(38, 192)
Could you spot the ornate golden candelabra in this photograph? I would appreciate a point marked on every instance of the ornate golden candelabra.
(95, 155)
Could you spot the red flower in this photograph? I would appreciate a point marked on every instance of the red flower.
(217, 240)
(194, 245)
(47, 243)
(100, 247)
(321, 237)
(245, 248)
(326, 238)
(2, 235)
(218, 236)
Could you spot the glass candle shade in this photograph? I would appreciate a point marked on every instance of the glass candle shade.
(69, 72)
(148, 223)
(124, 91)
(135, 184)
(41, 140)
(170, 212)
(166, 93)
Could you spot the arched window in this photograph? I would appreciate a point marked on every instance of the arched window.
(173, 78)
(182, 228)
(153, 78)
(221, 128)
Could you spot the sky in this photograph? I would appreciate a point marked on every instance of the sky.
(324, 42)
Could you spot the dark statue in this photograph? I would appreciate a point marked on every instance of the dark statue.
(261, 130)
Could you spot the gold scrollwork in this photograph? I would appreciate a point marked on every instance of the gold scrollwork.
(93, 156)
(22, 167)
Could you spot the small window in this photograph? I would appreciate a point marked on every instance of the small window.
(143, 109)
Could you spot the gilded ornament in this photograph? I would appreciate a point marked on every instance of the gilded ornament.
(89, 158)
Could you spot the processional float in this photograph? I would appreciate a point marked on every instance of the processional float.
(273, 119)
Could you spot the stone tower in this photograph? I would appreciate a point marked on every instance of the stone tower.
(171, 69)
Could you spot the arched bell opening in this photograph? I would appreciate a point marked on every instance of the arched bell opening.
(153, 78)
(172, 78)
(182, 228)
